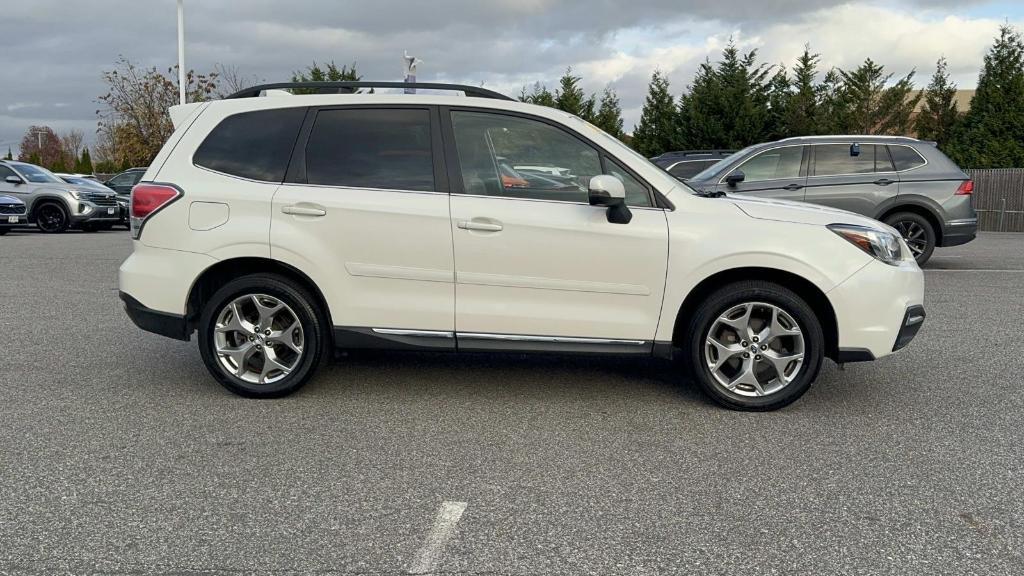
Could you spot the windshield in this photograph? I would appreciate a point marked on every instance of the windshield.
(86, 183)
(37, 175)
(716, 169)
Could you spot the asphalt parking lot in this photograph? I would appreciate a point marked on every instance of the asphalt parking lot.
(119, 454)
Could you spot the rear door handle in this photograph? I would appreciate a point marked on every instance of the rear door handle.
(304, 210)
(792, 187)
(884, 181)
(480, 226)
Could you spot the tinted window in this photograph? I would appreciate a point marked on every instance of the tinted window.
(5, 172)
(381, 148)
(255, 145)
(773, 164)
(690, 168)
(837, 159)
(905, 157)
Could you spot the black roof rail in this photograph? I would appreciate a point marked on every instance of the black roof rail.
(351, 87)
(675, 153)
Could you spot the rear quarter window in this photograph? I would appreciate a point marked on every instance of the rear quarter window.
(255, 145)
(905, 158)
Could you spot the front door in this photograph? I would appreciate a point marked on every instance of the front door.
(365, 206)
(536, 266)
(773, 173)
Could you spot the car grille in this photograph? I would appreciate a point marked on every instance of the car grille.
(12, 209)
(101, 199)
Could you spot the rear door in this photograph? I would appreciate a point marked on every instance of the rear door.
(854, 177)
(778, 172)
(365, 207)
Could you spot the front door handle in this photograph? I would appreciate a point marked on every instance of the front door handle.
(304, 210)
(792, 187)
(884, 181)
(479, 226)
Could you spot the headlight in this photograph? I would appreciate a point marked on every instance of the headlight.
(883, 245)
(75, 194)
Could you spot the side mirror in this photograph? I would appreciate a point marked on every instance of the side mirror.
(608, 191)
(855, 149)
(735, 177)
(14, 180)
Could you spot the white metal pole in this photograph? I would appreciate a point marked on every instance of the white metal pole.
(181, 52)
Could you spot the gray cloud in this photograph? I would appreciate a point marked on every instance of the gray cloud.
(55, 50)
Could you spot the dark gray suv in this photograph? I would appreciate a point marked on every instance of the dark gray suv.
(907, 183)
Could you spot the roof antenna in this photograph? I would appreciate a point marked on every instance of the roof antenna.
(409, 64)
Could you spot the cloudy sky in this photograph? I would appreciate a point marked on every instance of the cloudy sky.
(53, 51)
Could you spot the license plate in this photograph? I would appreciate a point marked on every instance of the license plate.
(110, 210)
(12, 219)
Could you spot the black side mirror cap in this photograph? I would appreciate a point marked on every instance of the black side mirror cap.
(735, 178)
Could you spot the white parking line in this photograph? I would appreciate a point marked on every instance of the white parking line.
(429, 556)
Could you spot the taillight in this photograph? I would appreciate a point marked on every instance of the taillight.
(148, 199)
(966, 188)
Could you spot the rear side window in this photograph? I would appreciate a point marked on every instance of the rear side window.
(839, 159)
(255, 145)
(905, 157)
(371, 148)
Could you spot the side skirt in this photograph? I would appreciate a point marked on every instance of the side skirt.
(430, 340)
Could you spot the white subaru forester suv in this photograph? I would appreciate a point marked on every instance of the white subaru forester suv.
(280, 226)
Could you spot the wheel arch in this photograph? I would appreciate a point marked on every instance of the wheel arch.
(806, 289)
(44, 199)
(223, 271)
(919, 207)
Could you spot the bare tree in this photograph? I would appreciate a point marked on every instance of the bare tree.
(231, 80)
(71, 141)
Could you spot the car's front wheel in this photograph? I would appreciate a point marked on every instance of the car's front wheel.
(262, 336)
(917, 232)
(754, 346)
(52, 218)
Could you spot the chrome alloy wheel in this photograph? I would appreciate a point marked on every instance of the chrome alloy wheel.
(258, 339)
(754, 349)
(913, 234)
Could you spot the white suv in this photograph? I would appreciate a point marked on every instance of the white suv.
(280, 226)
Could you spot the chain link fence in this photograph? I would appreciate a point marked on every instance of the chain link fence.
(999, 199)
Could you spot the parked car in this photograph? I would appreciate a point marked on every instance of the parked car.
(280, 227)
(122, 183)
(684, 164)
(12, 213)
(90, 183)
(53, 204)
(909, 184)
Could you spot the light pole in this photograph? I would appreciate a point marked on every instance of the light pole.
(181, 52)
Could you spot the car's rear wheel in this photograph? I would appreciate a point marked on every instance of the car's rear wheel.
(52, 218)
(262, 336)
(754, 346)
(917, 232)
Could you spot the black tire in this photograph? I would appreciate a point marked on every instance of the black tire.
(730, 296)
(52, 218)
(918, 233)
(307, 312)
(4, 231)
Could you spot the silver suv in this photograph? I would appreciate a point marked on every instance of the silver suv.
(909, 184)
(55, 205)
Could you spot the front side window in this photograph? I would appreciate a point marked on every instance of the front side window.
(371, 148)
(637, 193)
(905, 157)
(5, 172)
(773, 164)
(508, 156)
(255, 145)
(843, 159)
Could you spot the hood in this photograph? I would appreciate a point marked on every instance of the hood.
(798, 212)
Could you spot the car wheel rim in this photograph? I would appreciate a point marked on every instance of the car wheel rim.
(913, 234)
(50, 218)
(754, 349)
(258, 339)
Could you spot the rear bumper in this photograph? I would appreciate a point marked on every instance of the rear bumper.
(957, 232)
(162, 323)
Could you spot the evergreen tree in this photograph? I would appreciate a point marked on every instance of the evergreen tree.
(9, 155)
(873, 108)
(779, 95)
(831, 113)
(727, 105)
(991, 134)
(572, 99)
(84, 163)
(609, 114)
(540, 96)
(939, 115)
(801, 114)
(656, 131)
(330, 74)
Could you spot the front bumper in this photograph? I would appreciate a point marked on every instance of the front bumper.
(12, 220)
(957, 232)
(89, 212)
(872, 308)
